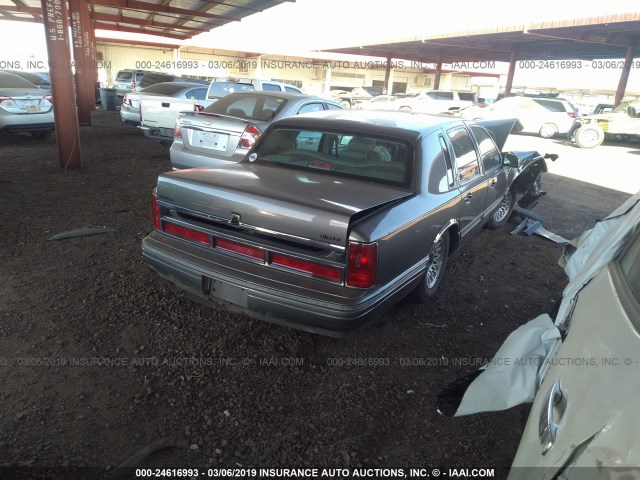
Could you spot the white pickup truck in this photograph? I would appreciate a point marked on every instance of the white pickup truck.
(158, 114)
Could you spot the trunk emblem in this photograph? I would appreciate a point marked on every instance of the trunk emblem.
(235, 219)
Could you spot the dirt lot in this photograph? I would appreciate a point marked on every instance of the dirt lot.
(144, 366)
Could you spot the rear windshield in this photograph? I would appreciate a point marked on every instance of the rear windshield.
(8, 80)
(124, 76)
(222, 89)
(248, 106)
(469, 97)
(166, 88)
(343, 154)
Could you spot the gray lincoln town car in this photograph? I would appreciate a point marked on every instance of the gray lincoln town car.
(333, 217)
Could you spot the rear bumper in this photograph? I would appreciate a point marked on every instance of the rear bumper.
(26, 127)
(129, 115)
(162, 135)
(221, 289)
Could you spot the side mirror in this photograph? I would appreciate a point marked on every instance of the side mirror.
(510, 160)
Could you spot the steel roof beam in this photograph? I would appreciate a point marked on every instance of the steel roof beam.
(154, 7)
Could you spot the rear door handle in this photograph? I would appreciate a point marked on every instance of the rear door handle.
(493, 183)
(165, 104)
(468, 198)
(553, 408)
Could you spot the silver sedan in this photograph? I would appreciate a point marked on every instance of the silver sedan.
(24, 107)
(226, 130)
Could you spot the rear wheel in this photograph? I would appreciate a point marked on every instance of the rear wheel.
(548, 130)
(436, 263)
(589, 136)
(405, 109)
(503, 212)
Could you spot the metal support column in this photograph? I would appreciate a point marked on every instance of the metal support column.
(624, 76)
(387, 77)
(511, 73)
(436, 80)
(79, 11)
(56, 26)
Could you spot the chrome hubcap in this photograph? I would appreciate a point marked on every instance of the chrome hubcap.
(434, 264)
(503, 210)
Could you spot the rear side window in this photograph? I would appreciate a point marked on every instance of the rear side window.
(311, 107)
(197, 93)
(464, 150)
(436, 95)
(333, 106)
(139, 76)
(271, 87)
(291, 89)
(8, 80)
(339, 153)
(550, 105)
(466, 96)
(489, 153)
(441, 173)
(124, 76)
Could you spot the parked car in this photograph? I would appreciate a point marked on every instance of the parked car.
(226, 130)
(158, 113)
(623, 121)
(327, 235)
(24, 107)
(130, 108)
(222, 87)
(33, 78)
(544, 116)
(436, 101)
(381, 102)
(585, 413)
(128, 80)
(355, 96)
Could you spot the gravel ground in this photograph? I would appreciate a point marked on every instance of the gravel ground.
(196, 386)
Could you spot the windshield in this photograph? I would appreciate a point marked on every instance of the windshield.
(124, 76)
(343, 154)
(166, 88)
(622, 107)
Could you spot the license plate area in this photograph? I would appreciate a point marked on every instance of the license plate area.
(214, 141)
(33, 108)
(223, 291)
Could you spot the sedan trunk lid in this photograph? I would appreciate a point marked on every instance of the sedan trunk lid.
(275, 200)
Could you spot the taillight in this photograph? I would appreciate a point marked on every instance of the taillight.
(156, 212)
(198, 108)
(8, 102)
(133, 86)
(571, 114)
(249, 137)
(49, 99)
(363, 265)
(313, 269)
(177, 131)
(239, 248)
(186, 233)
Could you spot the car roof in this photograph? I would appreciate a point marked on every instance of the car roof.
(407, 121)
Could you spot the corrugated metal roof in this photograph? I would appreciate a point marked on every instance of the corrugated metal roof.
(179, 19)
(590, 38)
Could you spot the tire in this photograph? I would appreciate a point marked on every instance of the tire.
(345, 103)
(434, 271)
(42, 134)
(501, 215)
(548, 130)
(589, 136)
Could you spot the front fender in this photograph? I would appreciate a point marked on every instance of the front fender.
(524, 179)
